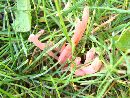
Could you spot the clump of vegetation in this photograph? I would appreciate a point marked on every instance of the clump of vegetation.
(27, 71)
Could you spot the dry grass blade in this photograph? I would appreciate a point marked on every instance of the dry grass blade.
(103, 24)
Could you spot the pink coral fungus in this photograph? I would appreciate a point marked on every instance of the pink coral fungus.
(91, 65)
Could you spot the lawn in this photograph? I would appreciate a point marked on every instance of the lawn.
(28, 71)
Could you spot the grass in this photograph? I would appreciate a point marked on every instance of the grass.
(30, 73)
